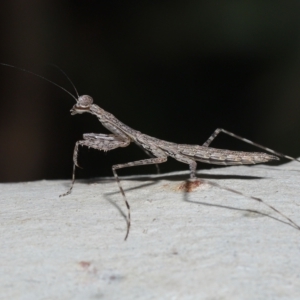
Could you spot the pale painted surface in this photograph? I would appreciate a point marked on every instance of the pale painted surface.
(212, 247)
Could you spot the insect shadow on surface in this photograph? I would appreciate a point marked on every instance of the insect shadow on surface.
(288, 221)
(108, 195)
(159, 150)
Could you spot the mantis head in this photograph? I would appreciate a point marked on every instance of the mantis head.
(82, 105)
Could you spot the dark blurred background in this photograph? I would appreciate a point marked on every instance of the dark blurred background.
(175, 70)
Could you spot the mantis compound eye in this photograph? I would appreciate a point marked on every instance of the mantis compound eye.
(84, 101)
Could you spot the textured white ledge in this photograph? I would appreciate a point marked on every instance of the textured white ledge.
(212, 247)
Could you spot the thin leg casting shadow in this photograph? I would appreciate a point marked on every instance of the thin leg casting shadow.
(290, 222)
(107, 196)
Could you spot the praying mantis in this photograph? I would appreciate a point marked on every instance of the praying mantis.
(159, 150)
